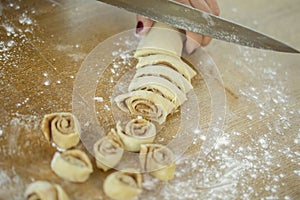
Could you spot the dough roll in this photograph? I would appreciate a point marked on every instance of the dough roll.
(72, 165)
(159, 85)
(135, 133)
(148, 104)
(44, 190)
(171, 43)
(61, 128)
(158, 160)
(108, 151)
(123, 185)
(167, 73)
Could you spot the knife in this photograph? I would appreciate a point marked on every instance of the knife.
(187, 18)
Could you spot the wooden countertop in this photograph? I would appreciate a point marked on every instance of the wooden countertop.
(257, 154)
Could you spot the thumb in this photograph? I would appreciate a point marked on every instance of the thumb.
(143, 25)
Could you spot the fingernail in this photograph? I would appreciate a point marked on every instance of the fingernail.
(139, 27)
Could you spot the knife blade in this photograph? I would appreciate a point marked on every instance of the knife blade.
(190, 19)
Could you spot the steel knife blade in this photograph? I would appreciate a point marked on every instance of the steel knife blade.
(187, 18)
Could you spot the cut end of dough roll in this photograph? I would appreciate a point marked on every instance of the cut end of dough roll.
(108, 151)
(154, 43)
(44, 190)
(61, 128)
(72, 165)
(147, 104)
(135, 133)
(122, 185)
(158, 160)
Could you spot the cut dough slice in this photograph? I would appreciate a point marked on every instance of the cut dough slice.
(72, 165)
(165, 88)
(166, 73)
(147, 104)
(108, 151)
(173, 62)
(153, 43)
(158, 160)
(61, 128)
(123, 185)
(44, 190)
(135, 133)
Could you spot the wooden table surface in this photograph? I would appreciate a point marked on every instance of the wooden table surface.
(256, 156)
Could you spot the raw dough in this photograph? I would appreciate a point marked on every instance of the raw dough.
(173, 62)
(72, 165)
(159, 85)
(154, 43)
(61, 128)
(44, 190)
(108, 151)
(148, 104)
(135, 133)
(167, 73)
(158, 160)
(123, 185)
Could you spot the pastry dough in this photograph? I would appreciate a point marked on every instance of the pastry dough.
(158, 160)
(148, 104)
(123, 185)
(61, 128)
(173, 62)
(154, 43)
(43, 190)
(164, 87)
(166, 73)
(135, 133)
(108, 151)
(72, 165)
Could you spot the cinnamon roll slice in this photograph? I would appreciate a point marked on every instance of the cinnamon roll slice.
(173, 62)
(44, 190)
(135, 133)
(149, 105)
(72, 165)
(61, 128)
(158, 160)
(122, 185)
(167, 73)
(163, 86)
(108, 151)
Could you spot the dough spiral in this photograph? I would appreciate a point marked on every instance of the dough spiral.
(123, 185)
(148, 104)
(72, 165)
(135, 133)
(61, 128)
(44, 190)
(158, 160)
(108, 151)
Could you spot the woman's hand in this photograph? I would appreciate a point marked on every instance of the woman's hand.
(211, 6)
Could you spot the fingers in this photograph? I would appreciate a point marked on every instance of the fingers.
(193, 41)
(143, 25)
(186, 2)
(201, 5)
(214, 7)
(205, 41)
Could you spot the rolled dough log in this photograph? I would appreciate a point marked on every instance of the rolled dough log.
(164, 87)
(166, 73)
(173, 62)
(153, 43)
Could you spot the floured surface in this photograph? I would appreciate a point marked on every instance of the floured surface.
(257, 155)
